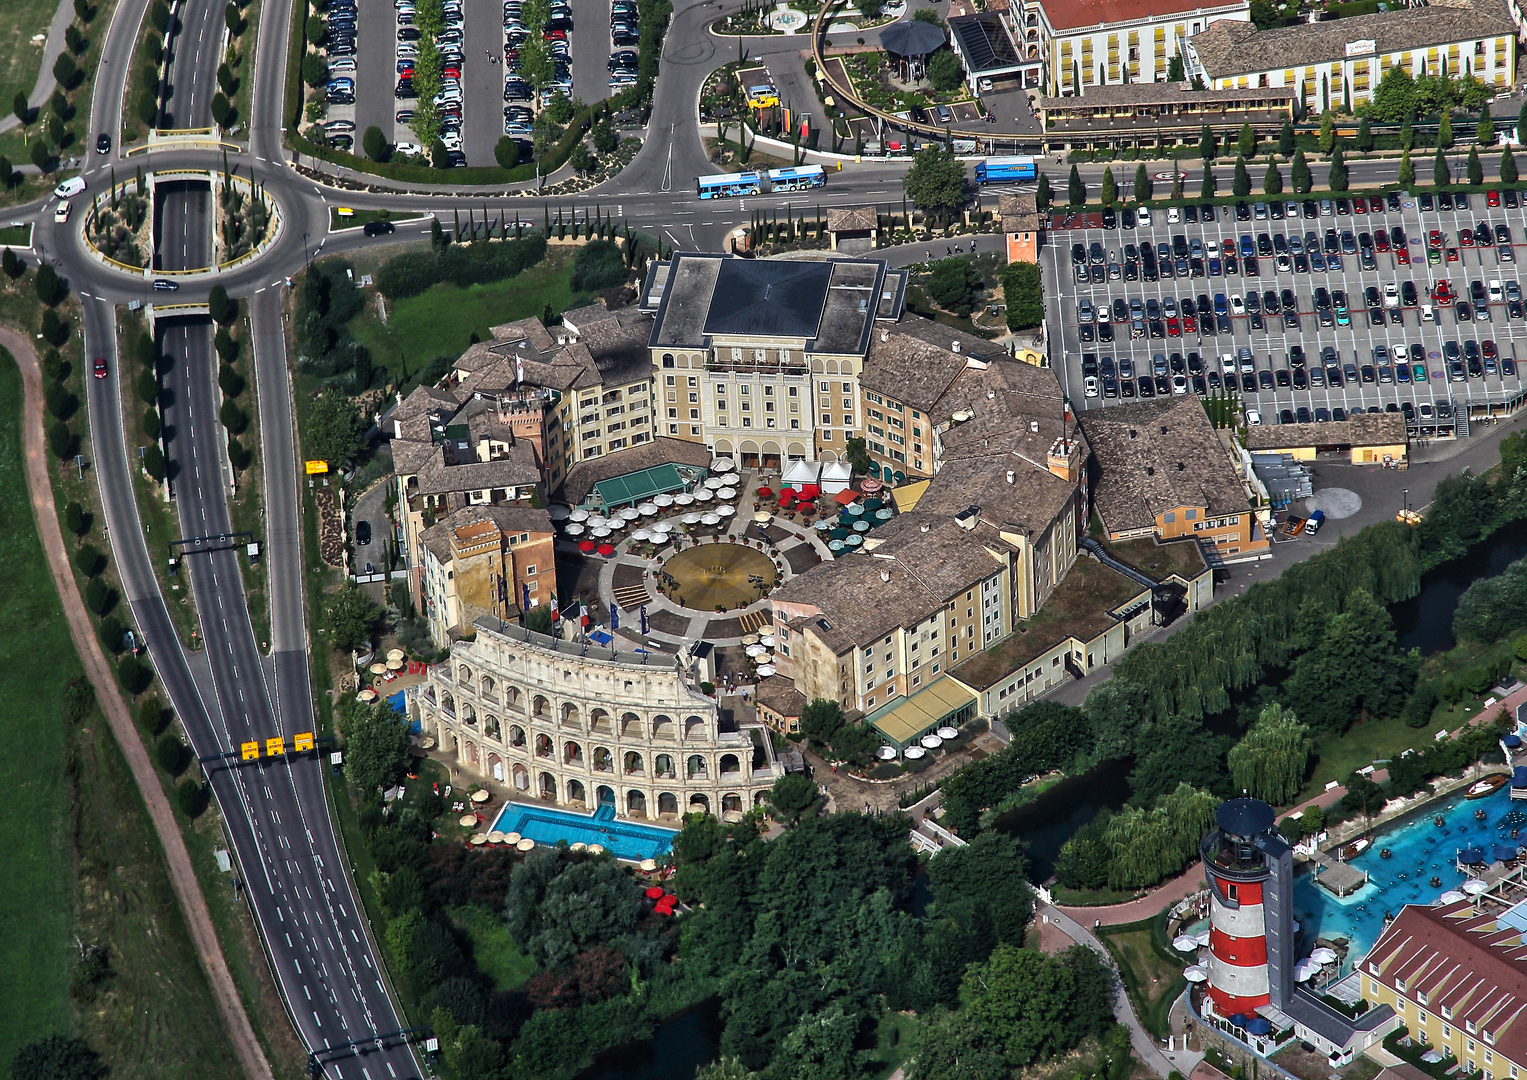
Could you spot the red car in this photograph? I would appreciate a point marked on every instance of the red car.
(1492, 198)
(1452, 254)
(1402, 255)
(1443, 293)
(1359, 206)
(1381, 239)
(1434, 238)
(1189, 324)
(1466, 237)
(1173, 327)
(452, 73)
(100, 368)
(1489, 349)
(1375, 204)
(555, 35)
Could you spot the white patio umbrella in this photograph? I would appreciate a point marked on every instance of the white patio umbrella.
(1452, 896)
(726, 493)
(597, 521)
(732, 479)
(691, 519)
(630, 513)
(647, 509)
(1305, 970)
(684, 498)
(1195, 974)
(714, 482)
(711, 519)
(1323, 956)
(641, 534)
(932, 742)
(616, 523)
(662, 528)
(755, 650)
(663, 500)
(765, 670)
(600, 533)
(578, 515)
(704, 495)
(763, 517)
(572, 528)
(723, 465)
(726, 511)
(1474, 887)
(1185, 943)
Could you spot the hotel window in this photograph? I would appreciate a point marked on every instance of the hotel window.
(1447, 1012)
(667, 363)
(668, 379)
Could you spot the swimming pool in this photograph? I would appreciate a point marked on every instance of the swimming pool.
(1420, 850)
(623, 839)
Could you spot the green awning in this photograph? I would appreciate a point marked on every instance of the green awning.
(634, 487)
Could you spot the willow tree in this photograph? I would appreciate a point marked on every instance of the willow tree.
(1149, 844)
(1269, 762)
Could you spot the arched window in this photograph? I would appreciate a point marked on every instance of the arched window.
(512, 698)
(603, 760)
(540, 708)
(696, 766)
(464, 676)
(731, 801)
(636, 803)
(662, 727)
(487, 686)
(730, 764)
(516, 735)
(632, 763)
(572, 754)
(570, 715)
(491, 729)
(699, 804)
(575, 792)
(662, 765)
(667, 804)
(543, 746)
(547, 785)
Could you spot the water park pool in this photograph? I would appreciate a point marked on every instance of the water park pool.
(623, 839)
(1420, 850)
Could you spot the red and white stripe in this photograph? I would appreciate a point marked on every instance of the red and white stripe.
(1238, 980)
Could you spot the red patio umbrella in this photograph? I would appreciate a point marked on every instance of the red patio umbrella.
(786, 495)
(606, 550)
(766, 493)
(809, 491)
(586, 546)
(654, 892)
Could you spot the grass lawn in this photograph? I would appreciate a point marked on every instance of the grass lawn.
(20, 59)
(442, 320)
(356, 218)
(893, 1042)
(35, 916)
(1152, 973)
(497, 955)
(1090, 897)
(1336, 756)
(16, 236)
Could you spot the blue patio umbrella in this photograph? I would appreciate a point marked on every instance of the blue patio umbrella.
(838, 532)
(1519, 776)
(1505, 851)
(1471, 856)
(1258, 1025)
(1512, 741)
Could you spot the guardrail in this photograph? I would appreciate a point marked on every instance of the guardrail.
(89, 219)
(943, 134)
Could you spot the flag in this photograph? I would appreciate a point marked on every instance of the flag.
(644, 620)
(554, 611)
(519, 369)
(614, 616)
(524, 596)
(583, 614)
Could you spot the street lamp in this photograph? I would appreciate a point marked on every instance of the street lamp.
(307, 260)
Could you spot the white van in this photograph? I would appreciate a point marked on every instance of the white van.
(70, 187)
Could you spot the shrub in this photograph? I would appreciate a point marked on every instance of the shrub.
(134, 675)
(598, 266)
(191, 798)
(90, 561)
(171, 753)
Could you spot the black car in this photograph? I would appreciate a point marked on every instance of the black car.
(102, 143)
(165, 285)
(376, 228)
(362, 533)
(408, 33)
(455, 159)
(340, 99)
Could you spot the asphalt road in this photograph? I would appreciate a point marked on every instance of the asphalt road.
(195, 52)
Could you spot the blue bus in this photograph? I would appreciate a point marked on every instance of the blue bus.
(729, 185)
(800, 178)
(1003, 169)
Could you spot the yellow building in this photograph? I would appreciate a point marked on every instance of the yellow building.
(486, 560)
(1365, 439)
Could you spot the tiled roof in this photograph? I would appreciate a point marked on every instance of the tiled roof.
(779, 693)
(1464, 962)
(1019, 213)
(518, 469)
(857, 219)
(1154, 93)
(1235, 48)
(582, 477)
(911, 371)
(1363, 429)
(1157, 457)
(508, 519)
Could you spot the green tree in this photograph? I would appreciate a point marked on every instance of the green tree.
(1299, 174)
(159, 17)
(1364, 141)
(1445, 130)
(953, 285)
(1023, 294)
(1027, 1002)
(65, 70)
(1362, 796)
(1486, 133)
(57, 1057)
(42, 157)
(1086, 859)
(232, 417)
(1076, 191)
(1348, 664)
(11, 263)
(153, 462)
(1043, 196)
(171, 753)
(1407, 176)
(1507, 167)
(506, 152)
(315, 69)
(582, 159)
(936, 182)
(1336, 178)
(1286, 143)
(1272, 180)
(1206, 186)
(1240, 185)
(50, 290)
(376, 746)
(727, 1068)
(791, 796)
(973, 887)
(90, 561)
(1327, 132)
(334, 429)
(223, 310)
(1473, 168)
(191, 798)
(1110, 190)
(579, 906)
(76, 520)
(604, 138)
(1142, 183)
(223, 114)
(350, 617)
(1394, 98)
(99, 597)
(1269, 762)
(1441, 175)
(374, 143)
(945, 72)
(1206, 144)
(1246, 142)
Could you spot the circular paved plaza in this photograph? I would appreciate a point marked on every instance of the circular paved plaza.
(712, 576)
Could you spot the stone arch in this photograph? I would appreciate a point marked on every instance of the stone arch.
(575, 792)
(488, 685)
(603, 760)
(829, 455)
(662, 727)
(723, 447)
(570, 715)
(632, 763)
(543, 746)
(519, 777)
(448, 704)
(697, 767)
(516, 735)
(830, 367)
(540, 708)
(630, 725)
(491, 728)
(513, 699)
(731, 801)
(572, 754)
(747, 451)
(636, 803)
(662, 765)
(729, 763)
(469, 749)
(496, 767)
(699, 803)
(605, 794)
(796, 451)
(468, 714)
(694, 726)
(667, 804)
(464, 675)
(760, 797)
(600, 722)
(546, 784)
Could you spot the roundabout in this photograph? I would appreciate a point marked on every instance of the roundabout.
(718, 577)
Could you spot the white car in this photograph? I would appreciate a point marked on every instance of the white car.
(342, 63)
(1253, 418)
(70, 187)
(61, 212)
(407, 148)
(1237, 305)
(1144, 214)
(1173, 215)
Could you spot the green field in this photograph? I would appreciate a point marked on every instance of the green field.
(442, 320)
(1151, 971)
(497, 955)
(21, 60)
(36, 920)
(16, 235)
(1372, 740)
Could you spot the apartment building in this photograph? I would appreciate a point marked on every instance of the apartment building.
(1095, 43)
(489, 560)
(760, 359)
(1164, 472)
(1456, 976)
(1341, 61)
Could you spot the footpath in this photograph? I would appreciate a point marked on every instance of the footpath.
(193, 904)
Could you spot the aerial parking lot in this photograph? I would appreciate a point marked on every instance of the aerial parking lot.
(1304, 309)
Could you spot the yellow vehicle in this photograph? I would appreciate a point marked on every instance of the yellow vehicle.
(762, 97)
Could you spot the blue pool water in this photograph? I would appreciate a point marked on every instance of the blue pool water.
(1420, 850)
(623, 839)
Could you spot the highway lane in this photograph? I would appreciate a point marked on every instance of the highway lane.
(195, 52)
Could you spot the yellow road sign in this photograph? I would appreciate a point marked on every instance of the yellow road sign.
(250, 750)
(317, 467)
(275, 747)
(302, 742)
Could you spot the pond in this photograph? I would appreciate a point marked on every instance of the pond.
(676, 1050)
(1425, 621)
(1053, 818)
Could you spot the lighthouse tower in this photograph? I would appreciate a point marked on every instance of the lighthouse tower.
(1249, 867)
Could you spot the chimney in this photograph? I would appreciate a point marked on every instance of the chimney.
(885, 335)
(955, 347)
(991, 395)
(923, 527)
(1033, 427)
(1012, 477)
(885, 576)
(1065, 459)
